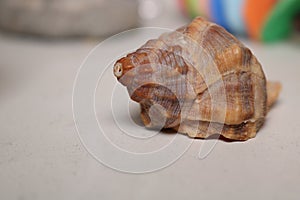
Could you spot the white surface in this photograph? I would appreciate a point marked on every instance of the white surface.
(41, 156)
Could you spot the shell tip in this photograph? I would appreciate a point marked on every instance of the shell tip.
(118, 69)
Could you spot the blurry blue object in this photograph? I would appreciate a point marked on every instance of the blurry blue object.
(217, 13)
(233, 10)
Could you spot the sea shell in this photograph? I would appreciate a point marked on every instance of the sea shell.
(198, 80)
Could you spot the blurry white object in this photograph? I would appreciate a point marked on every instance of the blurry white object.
(149, 9)
(68, 17)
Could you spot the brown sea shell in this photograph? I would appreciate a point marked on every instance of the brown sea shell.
(204, 81)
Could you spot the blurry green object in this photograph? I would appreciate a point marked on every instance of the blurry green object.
(280, 23)
(192, 6)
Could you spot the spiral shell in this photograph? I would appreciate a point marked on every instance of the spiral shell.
(204, 80)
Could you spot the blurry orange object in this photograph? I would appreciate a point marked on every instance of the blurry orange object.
(256, 12)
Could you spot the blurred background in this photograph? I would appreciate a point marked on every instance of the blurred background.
(267, 21)
(44, 42)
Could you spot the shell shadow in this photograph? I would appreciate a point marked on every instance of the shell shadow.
(212, 137)
(135, 116)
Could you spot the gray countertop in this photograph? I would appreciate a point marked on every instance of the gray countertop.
(42, 157)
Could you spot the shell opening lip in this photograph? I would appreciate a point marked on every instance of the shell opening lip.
(118, 70)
